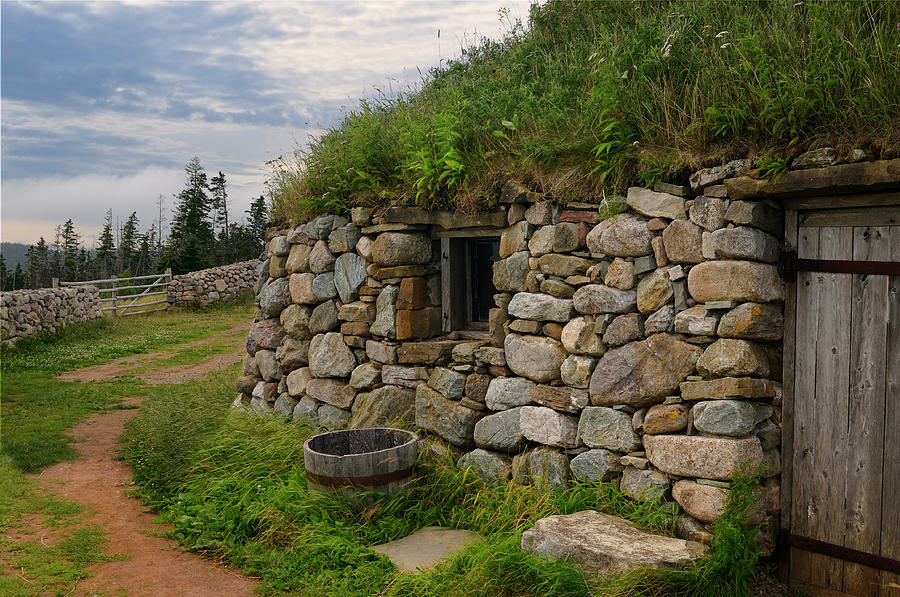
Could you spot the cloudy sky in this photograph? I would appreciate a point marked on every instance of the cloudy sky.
(104, 102)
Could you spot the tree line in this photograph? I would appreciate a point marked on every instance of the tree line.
(202, 234)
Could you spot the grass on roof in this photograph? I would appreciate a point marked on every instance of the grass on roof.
(590, 97)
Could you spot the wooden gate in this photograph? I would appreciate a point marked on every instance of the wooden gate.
(119, 296)
(842, 399)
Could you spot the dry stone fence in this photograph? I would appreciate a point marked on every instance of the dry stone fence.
(639, 341)
(28, 312)
(212, 285)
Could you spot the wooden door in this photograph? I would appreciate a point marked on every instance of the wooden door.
(844, 472)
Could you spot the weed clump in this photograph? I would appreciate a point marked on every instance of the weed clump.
(724, 572)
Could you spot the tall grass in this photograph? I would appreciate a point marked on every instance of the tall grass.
(234, 487)
(594, 95)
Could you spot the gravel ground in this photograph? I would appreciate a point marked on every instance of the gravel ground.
(765, 582)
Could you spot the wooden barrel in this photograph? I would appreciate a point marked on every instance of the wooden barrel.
(344, 462)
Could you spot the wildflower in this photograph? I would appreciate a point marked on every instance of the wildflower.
(721, 33)
(726, 44)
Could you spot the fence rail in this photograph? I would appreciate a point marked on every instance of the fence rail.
(125, 304)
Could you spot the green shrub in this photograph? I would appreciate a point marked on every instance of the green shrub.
(436, 164)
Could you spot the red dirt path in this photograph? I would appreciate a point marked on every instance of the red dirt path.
(154, 566)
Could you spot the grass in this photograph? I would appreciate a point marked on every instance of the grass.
(29, 563)
(233, 487)
(37, 408)
(593, 96)
(135, 304)
(242, 495)
(46, 547)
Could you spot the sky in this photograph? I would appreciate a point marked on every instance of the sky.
(103, 103)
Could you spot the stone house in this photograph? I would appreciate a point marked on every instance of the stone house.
(660, 341)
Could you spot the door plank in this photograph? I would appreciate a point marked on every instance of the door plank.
(829, 445)
(890, 511)
(787, 406)
(859, 216)
(806, 335)
(869, 311)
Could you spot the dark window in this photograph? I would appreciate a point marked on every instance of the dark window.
(467, 278)
(482, 255)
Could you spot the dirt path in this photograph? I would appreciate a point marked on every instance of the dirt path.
(176, 374)
(154, 566)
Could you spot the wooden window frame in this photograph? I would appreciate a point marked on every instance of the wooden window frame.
(456, 280)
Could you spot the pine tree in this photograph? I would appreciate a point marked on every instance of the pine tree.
(106, 251)
(191, 239)
(259, 217)
(18, 278)
(55, 254)
(217, 187)
(128, 245)
(4, 273)
(244, 245)
(37, 260)
(70, 245)
(85, 264)
(147, 252)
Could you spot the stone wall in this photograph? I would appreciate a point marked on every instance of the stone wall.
(643, 349)
(215, 284)
(28, 312)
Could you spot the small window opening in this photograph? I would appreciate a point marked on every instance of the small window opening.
(482, 253)
(467, 278)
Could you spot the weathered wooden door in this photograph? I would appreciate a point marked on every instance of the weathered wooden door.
(843, 343)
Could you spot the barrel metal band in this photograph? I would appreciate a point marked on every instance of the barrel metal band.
(367, 481)
(844, 553)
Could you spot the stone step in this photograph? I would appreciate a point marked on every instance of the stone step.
(426, 547)
(597, 543)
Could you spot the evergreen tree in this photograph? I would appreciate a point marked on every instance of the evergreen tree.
(147, 252)
(128, 245)
(85, 264)
(191, 239)
(54, 256)
(4, 273)
(33, 275)
(106, 251)
(217, 187)
(259, 217)
(37, 259)
(18, 278)
(244, 245)
(70, 245)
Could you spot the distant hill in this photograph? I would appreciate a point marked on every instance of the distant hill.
(14, 253)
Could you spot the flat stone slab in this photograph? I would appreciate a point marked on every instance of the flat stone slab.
(844, 178)
(597, 543)
(426, 547)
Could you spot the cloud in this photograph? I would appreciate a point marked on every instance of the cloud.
(97, 95)
(43, 203)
